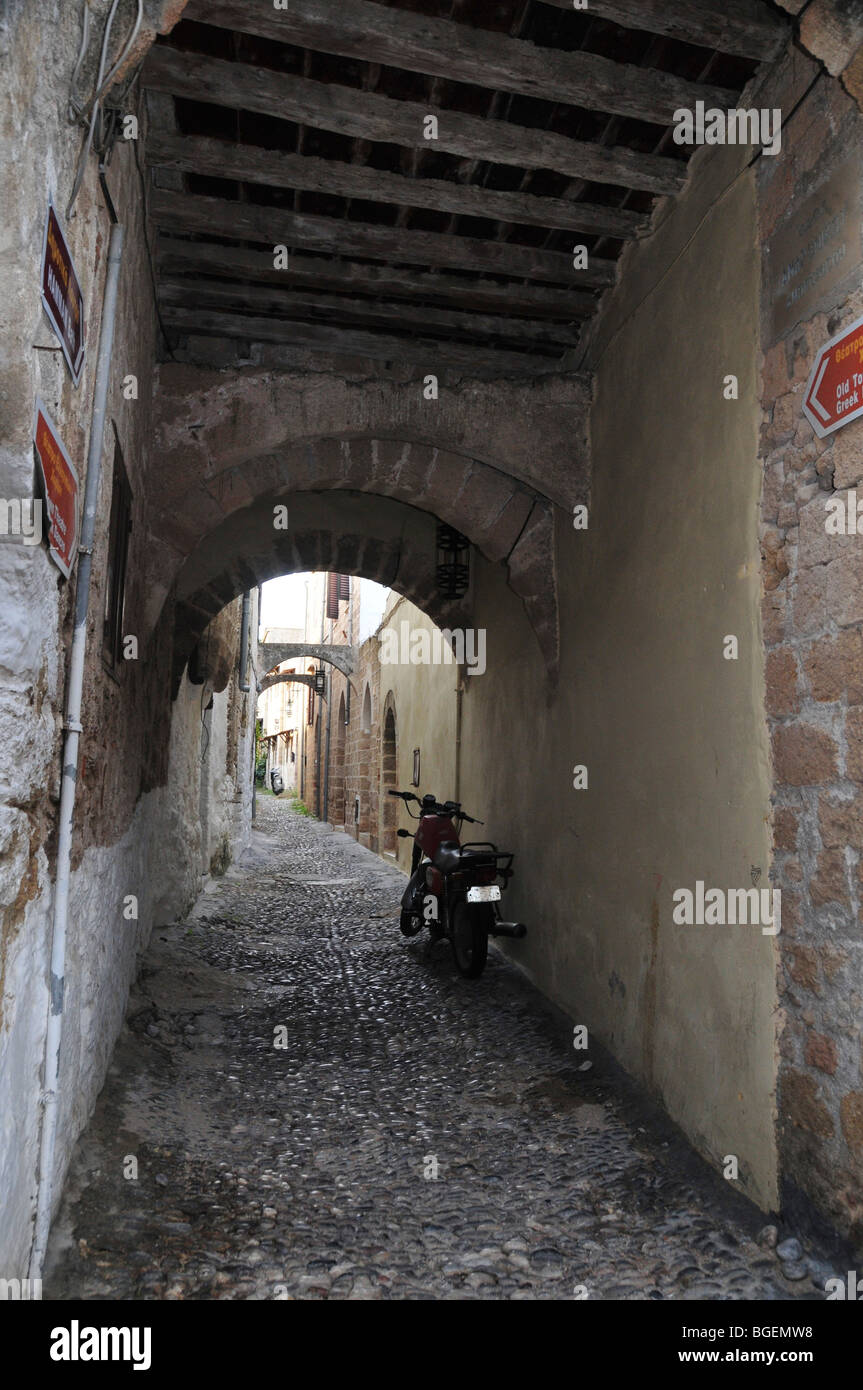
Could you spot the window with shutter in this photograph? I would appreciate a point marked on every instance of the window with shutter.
(332, 595)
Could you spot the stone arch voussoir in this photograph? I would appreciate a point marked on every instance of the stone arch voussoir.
(244, 553)
(506, 522)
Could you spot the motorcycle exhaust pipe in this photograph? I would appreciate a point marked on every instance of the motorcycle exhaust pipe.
(514, 929)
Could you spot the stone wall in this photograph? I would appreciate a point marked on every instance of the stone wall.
(39, 157)
(363, 766)
(422, 699)
(357, 773)
(813, 632)
(205, 806)
(132, 838)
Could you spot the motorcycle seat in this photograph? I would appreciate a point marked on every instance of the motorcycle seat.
(450, 857)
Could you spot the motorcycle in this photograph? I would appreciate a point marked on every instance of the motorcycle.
(452, 888)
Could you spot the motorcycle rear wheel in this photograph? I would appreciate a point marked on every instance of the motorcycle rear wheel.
(470, 928)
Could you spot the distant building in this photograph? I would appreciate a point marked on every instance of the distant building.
(391, 725)
(281, 709)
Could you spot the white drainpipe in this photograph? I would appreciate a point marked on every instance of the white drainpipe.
(68, 785)
(245, 683)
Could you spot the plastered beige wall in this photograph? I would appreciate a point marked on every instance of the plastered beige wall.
(425, 704)
(673, 735)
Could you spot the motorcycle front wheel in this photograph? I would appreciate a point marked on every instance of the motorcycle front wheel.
(470, 927)
(411, 923)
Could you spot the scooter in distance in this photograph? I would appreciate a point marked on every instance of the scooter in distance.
(453, 888)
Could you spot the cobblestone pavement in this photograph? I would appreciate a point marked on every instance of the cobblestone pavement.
(305, 1171)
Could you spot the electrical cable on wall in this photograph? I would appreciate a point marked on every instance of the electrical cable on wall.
(96, 136)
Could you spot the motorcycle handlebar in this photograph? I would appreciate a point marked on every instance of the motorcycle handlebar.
(453, 809)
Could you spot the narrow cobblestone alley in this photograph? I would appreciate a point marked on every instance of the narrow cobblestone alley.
(301, 1171)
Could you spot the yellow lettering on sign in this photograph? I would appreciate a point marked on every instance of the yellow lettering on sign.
(62, 268)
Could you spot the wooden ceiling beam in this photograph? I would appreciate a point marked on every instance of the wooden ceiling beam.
(177, 257)
(278, 169)
(483, 58)
(187, 212)
(745, 28)
(425, 353)
(403, 318)
(368, 116)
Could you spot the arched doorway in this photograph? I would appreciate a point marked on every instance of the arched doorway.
(389, 781)
(339, 807)
(361, 781)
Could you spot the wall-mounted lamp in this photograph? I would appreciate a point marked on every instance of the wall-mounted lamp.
(452, 562)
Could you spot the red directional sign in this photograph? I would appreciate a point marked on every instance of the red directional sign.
(834, 392)
(60, 485)
(62, 296)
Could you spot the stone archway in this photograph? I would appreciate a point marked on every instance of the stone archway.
(370, 536)
(285, 677)
(507, 517)
(211, 423)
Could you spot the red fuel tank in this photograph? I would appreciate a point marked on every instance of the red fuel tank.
(433, 830)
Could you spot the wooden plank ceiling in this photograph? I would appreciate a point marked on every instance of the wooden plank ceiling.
(304, 127)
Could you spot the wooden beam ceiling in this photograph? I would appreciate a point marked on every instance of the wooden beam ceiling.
(744, 27)
(412, 288)
(347, 111)
(279, 169)
(480, 57)
(290, 302)
(423, 352)
(186, 212)
(306, 127)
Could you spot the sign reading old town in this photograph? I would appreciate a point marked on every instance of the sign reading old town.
(62, 298)
(815, 249)
(834, 392)
(60, 482)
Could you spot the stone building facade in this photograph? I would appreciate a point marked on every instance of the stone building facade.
(813, 636)
(390, 725)
(281, 708)
(164, 785)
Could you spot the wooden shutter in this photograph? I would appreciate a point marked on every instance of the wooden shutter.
(332, 595)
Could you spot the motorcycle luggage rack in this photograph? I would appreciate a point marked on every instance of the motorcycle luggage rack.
(495, 852)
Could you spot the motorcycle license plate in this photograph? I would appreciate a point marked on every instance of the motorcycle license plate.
(488, 893)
